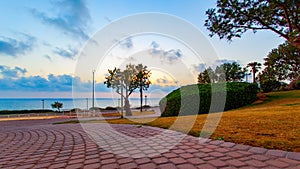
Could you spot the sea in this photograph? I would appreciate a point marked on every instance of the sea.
(68, 103)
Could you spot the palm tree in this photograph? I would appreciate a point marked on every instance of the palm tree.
(254, 67)
(57, 105)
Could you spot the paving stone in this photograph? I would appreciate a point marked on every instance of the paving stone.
(227, 144)
(241, 147)
(258, 150)
(277, 163)
(277, 153)
(92, 166)
(195, 161)
(235, 154)
(167, 166)
(293, 156)
(186, 166)
(110, 166)
(62, 146)
(177, 160)
(256, 163)
(147, 166)
(217, 163)
(128, 166)
(206, 166)
(259, 157)
(160, 160)
(236, 163)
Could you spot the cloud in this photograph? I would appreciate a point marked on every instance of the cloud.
(69, 53)
(73, 17)
(7, 72)
(14, 47)
(13, 79)
(127, 43)
(158, 88)
(48, 57)
(199, 67)
(168, 56)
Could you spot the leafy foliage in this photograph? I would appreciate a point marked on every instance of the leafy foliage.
(231, 72)
(228, 72)
(142, 80)
(282, 63)
(232, 18)
(57, 105)
(126, 81)
(184, 99)
(269, 85)
(207, 76)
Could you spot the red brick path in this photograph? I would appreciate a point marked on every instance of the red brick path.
(39, 144)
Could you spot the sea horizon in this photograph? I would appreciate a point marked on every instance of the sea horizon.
(68, 103)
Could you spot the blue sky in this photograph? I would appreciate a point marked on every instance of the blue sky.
(41, 41)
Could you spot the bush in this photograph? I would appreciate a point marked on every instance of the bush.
(184, 101)
(25, 111)
(269, 85)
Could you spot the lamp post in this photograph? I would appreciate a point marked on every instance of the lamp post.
(87, 104)
(43, 104)
(93, 95)
(145, 100)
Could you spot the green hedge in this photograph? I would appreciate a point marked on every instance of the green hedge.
(2, 112)
(196, 99)
(269, 85)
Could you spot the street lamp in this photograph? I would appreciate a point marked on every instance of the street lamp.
(145, 100)
(93, 95)
(43, 104)
(87, 104)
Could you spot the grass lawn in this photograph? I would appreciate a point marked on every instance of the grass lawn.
(273, 123)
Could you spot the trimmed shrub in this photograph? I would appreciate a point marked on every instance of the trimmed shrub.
(24, 111)
(196, 99)
(269, 85)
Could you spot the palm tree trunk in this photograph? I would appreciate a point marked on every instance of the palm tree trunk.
(253, 75)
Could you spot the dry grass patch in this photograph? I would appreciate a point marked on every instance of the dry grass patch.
(274, 123)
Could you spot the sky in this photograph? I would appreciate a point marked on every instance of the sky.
(44, 45)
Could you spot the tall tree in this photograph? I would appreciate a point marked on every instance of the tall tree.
(57, 105)
(126, 81)
(207, 76)
(142, 80)
(232, 18)
(283, 63)
(254, 68)
(230, 72)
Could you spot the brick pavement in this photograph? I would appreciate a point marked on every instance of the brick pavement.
(39, 144)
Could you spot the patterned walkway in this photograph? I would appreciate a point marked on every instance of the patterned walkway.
(39, 144)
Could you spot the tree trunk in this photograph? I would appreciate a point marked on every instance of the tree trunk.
(253, 75)
(127, 107)
(141, 96)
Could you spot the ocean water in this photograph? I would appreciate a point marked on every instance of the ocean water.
(68, 103)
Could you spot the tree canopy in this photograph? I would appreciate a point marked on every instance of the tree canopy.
(229, 72)
(57, 105)
(142, 80)
(232, 18)
(282, 63)
(125, 82)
